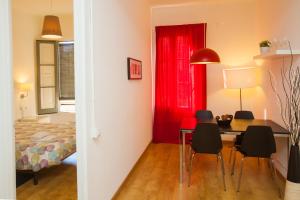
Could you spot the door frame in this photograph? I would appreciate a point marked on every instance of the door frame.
(84, 87)
(7, 141)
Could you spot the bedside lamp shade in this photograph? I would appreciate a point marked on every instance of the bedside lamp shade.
(51, 27)
(237, 78)
(25, 87)
(204, 56)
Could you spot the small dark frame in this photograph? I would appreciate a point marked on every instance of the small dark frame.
(134, 68)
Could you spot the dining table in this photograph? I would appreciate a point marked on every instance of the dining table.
(236, 127)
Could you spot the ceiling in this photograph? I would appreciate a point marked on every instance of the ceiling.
(64, 7)
(174, 2)
(42, 7)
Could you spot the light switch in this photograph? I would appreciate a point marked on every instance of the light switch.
(95, 133)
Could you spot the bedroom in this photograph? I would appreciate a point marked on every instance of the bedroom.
(44, 96)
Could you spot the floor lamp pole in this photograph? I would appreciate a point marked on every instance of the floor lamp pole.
(241, 103)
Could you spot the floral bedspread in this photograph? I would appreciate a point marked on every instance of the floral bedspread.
(41, 145)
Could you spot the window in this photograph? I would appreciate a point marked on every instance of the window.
(66, 77)
(66, 71)
(55, 77)
(67, 106)
(180, 88)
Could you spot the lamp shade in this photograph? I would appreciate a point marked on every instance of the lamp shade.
(51, 27)
(237, 78)
(204, 56)
(24, 87)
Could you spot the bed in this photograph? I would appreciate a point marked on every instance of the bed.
(42, 145)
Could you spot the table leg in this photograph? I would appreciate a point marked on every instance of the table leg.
(288, 149)
(180, 158)
(183, 153)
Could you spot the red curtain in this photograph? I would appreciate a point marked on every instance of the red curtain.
(180, 87)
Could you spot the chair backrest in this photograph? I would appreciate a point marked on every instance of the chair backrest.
(204, 115)
(258, 141)
(243, 114)
(207, 138)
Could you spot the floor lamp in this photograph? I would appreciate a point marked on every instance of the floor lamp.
(240, 78)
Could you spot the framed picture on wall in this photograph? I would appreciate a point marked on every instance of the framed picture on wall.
(134, 68)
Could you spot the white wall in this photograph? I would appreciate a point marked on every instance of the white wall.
(277, 20)
(27, 26)
(231, 32)
(123, 107)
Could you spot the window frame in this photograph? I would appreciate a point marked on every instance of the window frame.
(41, 111)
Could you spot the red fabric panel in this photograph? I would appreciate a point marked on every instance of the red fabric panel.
(180, 87)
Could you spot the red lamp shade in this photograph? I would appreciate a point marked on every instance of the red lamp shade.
(204, 56)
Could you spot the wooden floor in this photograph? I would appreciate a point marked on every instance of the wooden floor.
(56, 183)
(156, 177)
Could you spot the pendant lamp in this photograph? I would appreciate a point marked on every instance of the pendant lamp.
(204, 56)
(51, 26)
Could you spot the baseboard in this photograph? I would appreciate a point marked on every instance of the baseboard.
(280, 168)
(280, 176)
(131, 171)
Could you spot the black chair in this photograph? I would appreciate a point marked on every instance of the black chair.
(258, 141)
(206, 139)
(243, 114)
(204, 115)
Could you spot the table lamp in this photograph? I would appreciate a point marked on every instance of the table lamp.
(239, 78)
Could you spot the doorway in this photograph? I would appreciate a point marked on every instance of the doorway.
(43, 71)
(84, 92)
